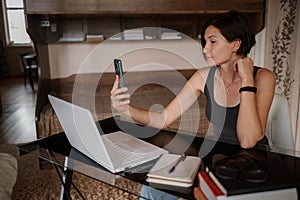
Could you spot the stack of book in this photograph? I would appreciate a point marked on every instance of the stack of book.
(213, 188)
(171, 36)
(94, 37)
(134, 34)
(72, 37)
(116, 37)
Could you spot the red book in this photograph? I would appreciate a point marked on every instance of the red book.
(208, 186)
(211, 191)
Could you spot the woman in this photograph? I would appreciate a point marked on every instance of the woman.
(234, 88)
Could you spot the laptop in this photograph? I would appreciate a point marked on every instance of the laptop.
(115, 151)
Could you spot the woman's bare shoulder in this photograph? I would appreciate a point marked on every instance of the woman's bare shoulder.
(264, 73)
(265, 79)
(203, 71)
(199, 78)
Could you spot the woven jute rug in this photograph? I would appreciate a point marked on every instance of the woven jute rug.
(35, 184)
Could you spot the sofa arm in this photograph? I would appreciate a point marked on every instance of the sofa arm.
(8, 174)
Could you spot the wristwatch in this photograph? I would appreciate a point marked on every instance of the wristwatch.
(248, 89)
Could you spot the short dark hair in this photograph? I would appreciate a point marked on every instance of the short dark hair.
(232, 25)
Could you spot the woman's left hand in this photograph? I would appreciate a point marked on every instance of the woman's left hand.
(244, 67)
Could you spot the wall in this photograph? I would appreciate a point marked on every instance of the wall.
(69, 58)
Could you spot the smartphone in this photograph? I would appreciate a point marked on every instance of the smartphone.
(119, 72)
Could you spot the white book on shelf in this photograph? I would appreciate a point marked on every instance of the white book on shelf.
(134, 31)
(171, 36)
(133, 34)
(72, 37)
(116, 37)
(94, 36)
(134, 38)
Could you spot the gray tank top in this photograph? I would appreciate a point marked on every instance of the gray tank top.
(224, 119)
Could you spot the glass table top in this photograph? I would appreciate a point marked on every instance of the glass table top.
(57, 150)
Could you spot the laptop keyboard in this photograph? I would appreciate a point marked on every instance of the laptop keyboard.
(121, 157)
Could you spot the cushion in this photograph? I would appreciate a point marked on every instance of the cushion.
(8, 174)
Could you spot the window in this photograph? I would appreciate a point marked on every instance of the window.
(15, 22)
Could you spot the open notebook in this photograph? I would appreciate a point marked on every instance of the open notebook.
(183, 175)
(116, 151)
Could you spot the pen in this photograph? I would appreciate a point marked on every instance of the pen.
(181, 158)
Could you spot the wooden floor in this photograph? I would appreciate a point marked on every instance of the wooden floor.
(17, 117)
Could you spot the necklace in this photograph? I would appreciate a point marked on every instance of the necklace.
(227, 87)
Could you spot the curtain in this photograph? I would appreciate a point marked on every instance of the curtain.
(282, 54)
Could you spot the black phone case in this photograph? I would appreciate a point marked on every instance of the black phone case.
(119, 72)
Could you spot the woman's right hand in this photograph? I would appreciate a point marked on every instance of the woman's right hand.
(120, 98)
